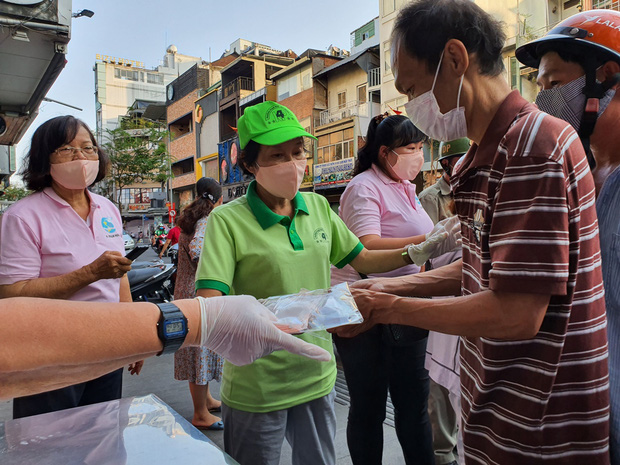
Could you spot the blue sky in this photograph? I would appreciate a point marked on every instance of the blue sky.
(142, 29)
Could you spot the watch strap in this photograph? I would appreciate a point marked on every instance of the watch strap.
(406, 255)
(169, 311)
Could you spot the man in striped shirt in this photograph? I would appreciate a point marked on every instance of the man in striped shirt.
(588, 45)
(534, 374)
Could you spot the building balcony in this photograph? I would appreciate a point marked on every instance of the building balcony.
(349, 110)
(374, 78)
(234, 88)
(183, 181)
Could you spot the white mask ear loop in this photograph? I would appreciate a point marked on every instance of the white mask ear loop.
(458, 98)
(437, 72)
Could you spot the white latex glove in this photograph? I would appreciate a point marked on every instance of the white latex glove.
(242, 330)
(444, 238)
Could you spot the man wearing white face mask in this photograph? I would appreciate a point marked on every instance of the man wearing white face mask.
(273, 241)
(64, 242)
(579, 62)
(533, 359)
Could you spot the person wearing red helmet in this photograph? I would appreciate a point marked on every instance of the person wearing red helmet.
(530, 308)
(579, 66)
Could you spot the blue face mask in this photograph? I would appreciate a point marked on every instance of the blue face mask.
(568, 102)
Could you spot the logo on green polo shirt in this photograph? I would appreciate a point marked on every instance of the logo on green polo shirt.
(107, 224)
(320, 236)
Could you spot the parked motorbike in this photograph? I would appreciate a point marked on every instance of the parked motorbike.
(151, 281)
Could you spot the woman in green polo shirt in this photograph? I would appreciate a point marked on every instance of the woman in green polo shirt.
(273, 241)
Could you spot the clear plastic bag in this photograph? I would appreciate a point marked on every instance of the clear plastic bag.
(314, 310)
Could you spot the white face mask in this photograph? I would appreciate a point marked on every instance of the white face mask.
(425, 114)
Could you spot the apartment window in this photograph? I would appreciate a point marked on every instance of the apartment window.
(335, 146)
(210, 168)
(137, 195)
(362, 95)
(153, 78)
(515, 81)
(388, 6)
(342, 99)
(126, 74)
(306, 80)
(181, 126)
(387, 57)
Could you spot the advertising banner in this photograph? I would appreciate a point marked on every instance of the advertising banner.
(230, 171)
(333, 174)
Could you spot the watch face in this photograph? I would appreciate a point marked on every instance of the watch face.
(174, 328)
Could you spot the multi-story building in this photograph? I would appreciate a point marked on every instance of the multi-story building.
(119, 82)
(207, 120)
(365, 36)
(246, 81)
(307, 98)
(182, 94)
(353, 96)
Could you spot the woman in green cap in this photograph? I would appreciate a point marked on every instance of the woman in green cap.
(276, 240)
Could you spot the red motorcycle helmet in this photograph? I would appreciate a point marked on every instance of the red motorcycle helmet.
(592, 38)
(595, 32)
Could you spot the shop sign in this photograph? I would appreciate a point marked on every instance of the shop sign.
(334, 173)
(139, 206)
(234, 191)
(119, 61)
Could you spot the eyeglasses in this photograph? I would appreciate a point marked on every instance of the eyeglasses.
(89, 151)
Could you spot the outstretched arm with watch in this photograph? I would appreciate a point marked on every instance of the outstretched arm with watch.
(72, 342)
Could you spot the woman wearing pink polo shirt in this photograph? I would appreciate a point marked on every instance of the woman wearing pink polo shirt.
(381, 207)
(64, 242)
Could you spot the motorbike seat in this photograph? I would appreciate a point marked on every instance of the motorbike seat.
(140, 275)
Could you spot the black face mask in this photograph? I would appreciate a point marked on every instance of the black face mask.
(568, 102)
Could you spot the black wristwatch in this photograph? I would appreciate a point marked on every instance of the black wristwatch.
(171, 328)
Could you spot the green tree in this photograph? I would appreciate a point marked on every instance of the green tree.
(136, 155)
(13, 193)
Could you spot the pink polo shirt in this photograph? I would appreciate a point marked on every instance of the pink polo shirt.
(42, 236)
(373, 203)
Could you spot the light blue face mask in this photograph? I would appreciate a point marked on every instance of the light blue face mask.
(568, 102)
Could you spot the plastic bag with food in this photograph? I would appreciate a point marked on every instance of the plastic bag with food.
(314, 310)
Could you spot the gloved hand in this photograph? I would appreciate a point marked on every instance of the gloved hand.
(242, 330)
(444, 237)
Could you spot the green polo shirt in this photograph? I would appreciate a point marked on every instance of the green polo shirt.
(251, 250)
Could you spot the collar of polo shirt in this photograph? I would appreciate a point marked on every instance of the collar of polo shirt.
(265, 217)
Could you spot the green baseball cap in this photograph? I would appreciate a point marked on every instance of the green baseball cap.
(269, 123)
(453, 148)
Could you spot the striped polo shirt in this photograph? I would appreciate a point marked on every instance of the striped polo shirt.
(526, 201)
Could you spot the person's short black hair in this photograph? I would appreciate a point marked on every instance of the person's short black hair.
(51, 135)
(248, 156)
(425, 26)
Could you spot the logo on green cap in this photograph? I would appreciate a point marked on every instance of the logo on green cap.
(278, 114)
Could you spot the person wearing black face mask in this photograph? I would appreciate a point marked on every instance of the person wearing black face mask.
(579, 62)
(531, 314)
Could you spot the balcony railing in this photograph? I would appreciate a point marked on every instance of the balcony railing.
(527, 35)
(241, 83)
(353, 108)
(374, 77)
(607, 4)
